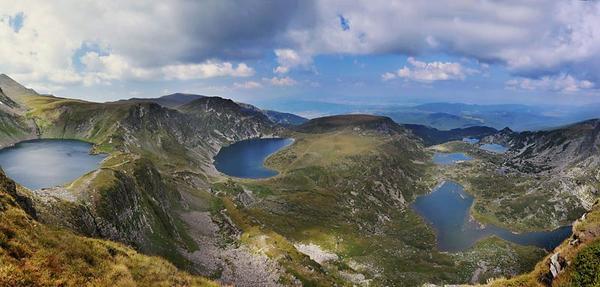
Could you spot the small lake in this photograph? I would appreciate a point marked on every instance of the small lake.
(495, 148)
(47, 163)
(450, 158)
(246, 158)
(447, 207)
(470, 140)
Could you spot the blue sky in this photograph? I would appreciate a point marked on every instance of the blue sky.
(334, 51)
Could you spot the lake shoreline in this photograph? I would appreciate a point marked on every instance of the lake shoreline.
(469, 228)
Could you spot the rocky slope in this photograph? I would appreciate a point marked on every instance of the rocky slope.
(556, 149)
(569, 157)
(14, 126)
(34, 254)
(158, 158)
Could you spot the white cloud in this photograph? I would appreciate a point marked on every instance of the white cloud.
(132, 40)
(281, 81)
(529, 38)
(429, 71)
(196, 39)
(388, 76)
(113, 67)
(248, 85)
(205, 70)
(288, 59)
(559, 83)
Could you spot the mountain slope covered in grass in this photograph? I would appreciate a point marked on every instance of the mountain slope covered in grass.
(34, 254)
(338, 212)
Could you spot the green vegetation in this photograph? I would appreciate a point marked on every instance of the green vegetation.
(518, 201)
(346, 190)
(33, 254)
(582, 257)
(586, 266)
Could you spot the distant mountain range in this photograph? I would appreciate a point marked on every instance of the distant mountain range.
(446, 116)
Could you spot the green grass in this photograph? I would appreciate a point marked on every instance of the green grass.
(329, 193)
(586, 266)
(33, 254)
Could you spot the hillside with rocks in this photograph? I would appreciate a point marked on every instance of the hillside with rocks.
(36, 254)
(569, 157)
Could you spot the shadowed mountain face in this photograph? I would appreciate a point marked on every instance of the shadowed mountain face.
(14, 126)
(433, 136)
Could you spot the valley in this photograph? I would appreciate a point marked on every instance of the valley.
(335, 208)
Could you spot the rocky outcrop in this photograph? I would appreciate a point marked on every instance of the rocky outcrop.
(131, 204)
(22, 200)
(228, 121)
(557, 264)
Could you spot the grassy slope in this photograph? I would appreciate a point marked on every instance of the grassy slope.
(135, 197)
(128, 198)
(13, 129)
(33, 254)
(347, 191)
(583, 258)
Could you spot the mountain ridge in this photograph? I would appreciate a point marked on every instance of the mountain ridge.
(343, 191)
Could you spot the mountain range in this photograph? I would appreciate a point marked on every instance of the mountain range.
(446, 116)
(157, 212)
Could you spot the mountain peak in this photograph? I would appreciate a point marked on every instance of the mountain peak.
(13, 90)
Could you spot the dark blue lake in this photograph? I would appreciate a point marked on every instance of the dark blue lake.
(495, 148)
(246, 158)
(450, 158)
(48, 163)
(446, 208)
